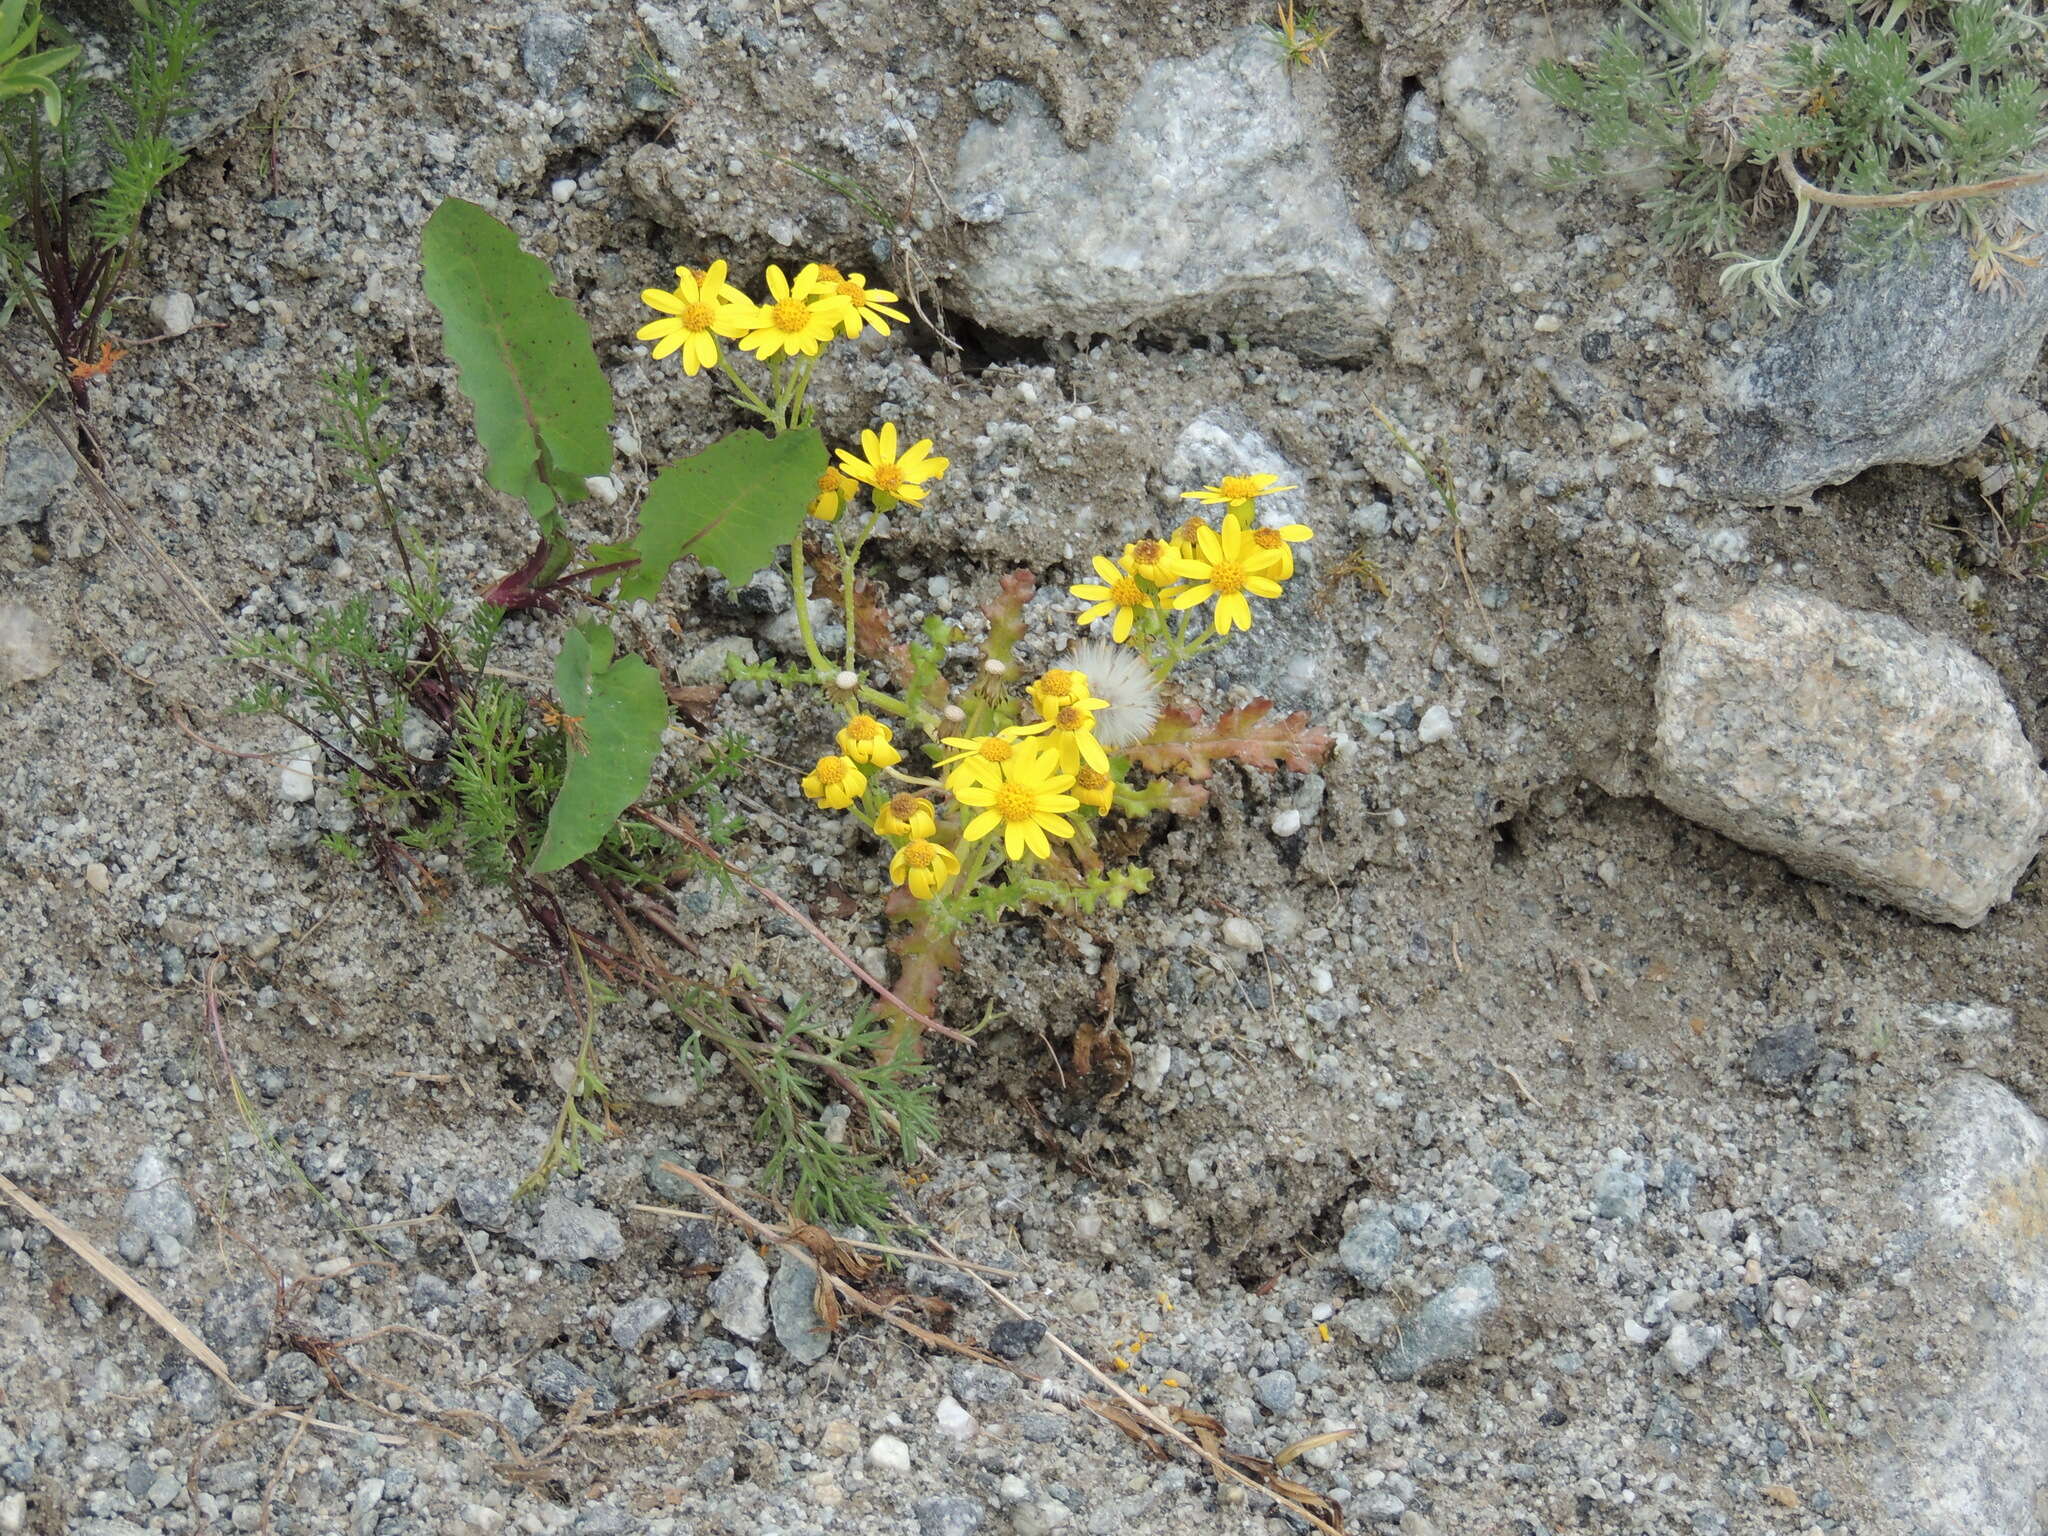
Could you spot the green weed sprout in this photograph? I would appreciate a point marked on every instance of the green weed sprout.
(1905, 119)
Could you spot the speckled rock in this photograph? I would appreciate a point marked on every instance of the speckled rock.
(1982, 1191)
(1852, 746)
(1446, 1329)
(30, 647)
(738, 1296)
(1258, 242)
(1801, 412)
(33, 470)
(793, 1307)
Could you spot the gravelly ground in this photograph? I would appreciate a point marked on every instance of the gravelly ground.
(1520, 1031)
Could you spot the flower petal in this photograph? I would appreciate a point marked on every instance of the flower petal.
(981, 826)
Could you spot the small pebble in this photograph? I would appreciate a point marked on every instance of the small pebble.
(1435, 725)
(889, 1454)
(176, 313)
(1286, 823)
(295, 783)
(561, 191)
(1242, 933)
(955, 1422)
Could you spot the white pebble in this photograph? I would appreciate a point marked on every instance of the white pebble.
(1242, 933)
(602, 487)
(176, 313)
(889, 1454)
(97, 877)
(1286, 823)
(1321, 980)
(295, 778)
(955, 1422)
(1436, 725)
(563, 190)
(1548, 323)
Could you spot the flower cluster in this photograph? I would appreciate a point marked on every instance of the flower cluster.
(798, 316)
(1227, 565)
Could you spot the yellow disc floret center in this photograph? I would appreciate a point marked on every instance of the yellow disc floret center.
(1148, 552)
(1267, 538)
(792, 317)
(1014, 802)
(698, 316)
(920, 855)
(1127, 593)
(861, 728)
(1227, 578)
(831, 771)
(903, 807)
(996, 750)
(1238, 487)
(1072, 718)
(888, 477)
(1088, 780)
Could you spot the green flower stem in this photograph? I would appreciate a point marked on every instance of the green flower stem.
(803, 606)
(888, 703)
(752, 401)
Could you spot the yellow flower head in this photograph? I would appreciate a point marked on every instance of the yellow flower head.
(881, 467)
(1025, 801)
(924, 867)
(866, 740)
(1226, 566)
(799, 316)
(1148, 557)
(1057, 686)
(980, 759)
(1277, 540)
(1093, 788)
(835, 493)
(1238, 492)
(1119, 593)
(835, 783)
(907, 816)
(1069, 733)
(702, 307)
(864, 305)
(1185, 543)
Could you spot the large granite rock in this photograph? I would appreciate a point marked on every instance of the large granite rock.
(1213, 206)
(1855, 748)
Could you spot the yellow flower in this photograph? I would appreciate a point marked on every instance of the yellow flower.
(1069, 733)
(1148, 558)
(703, 307)
(1227, 566)
(863, 304)
(1237, 492)
(1025, 802)
(835, 783)
(835, 494)
(907, 816)
(1093, 788)
(902, 477)
(1185, 543)
(1119, 593)
(980, 759)
(866, 740)
(1057, 686)
(924, 867)
(799, 317)
(1277, 539)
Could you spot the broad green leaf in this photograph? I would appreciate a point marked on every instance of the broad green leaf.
(732, 506)
(542, 404)
(616, 710)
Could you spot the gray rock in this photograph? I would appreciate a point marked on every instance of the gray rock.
(633, 1322)
(33, 470)
(1618, 1195)
(739, 1296)
(175, 313)
(487, 1203)
(1371, 1250)
(569, 1233)
(557, 1380)
(158, 1206)
(549, 42)
(1690, 1346)
(1416, 155)
(1258, 240)
(1016, 1338)
(1973, 1453)
(667, 1186)
(1785, 1055)
(1855, 748)
(793, 1304)
(519, 1415)
(197, 1392)
(1277, 1391)
(236, 1322)
(1446, 1329)
(1802, 412)
(1222, 441)
(294, 1378)
(30, 646)
(950, 1516)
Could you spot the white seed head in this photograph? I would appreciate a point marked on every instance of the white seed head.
(1119, 677)
(995, 667)
(954, 714)
(846, 682)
